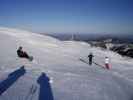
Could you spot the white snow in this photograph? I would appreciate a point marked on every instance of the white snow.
(66, 66)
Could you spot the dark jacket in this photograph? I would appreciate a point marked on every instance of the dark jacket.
(90, 56)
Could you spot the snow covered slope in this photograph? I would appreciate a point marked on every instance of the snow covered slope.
(60, 70)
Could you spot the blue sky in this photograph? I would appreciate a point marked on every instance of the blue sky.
(72, 16)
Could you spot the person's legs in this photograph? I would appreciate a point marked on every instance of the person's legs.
(107, 66)
(26, 55)
(90, 61)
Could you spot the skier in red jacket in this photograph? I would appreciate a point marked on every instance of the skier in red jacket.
(107, 63)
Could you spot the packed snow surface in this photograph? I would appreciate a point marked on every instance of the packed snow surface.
(60, 70)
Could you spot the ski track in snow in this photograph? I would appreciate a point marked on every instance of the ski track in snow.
(67, 73)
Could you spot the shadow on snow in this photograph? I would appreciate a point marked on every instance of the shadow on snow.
(12, 78)
(45, 88)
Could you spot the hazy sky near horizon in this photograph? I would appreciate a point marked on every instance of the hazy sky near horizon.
(82, 16)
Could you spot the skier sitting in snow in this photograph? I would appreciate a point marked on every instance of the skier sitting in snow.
(21, 53)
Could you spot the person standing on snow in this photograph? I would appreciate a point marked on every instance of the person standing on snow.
(90, 58)
(107, 63)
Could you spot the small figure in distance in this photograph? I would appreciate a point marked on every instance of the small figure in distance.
(107, 63)
(23, 54)
(90, 58)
